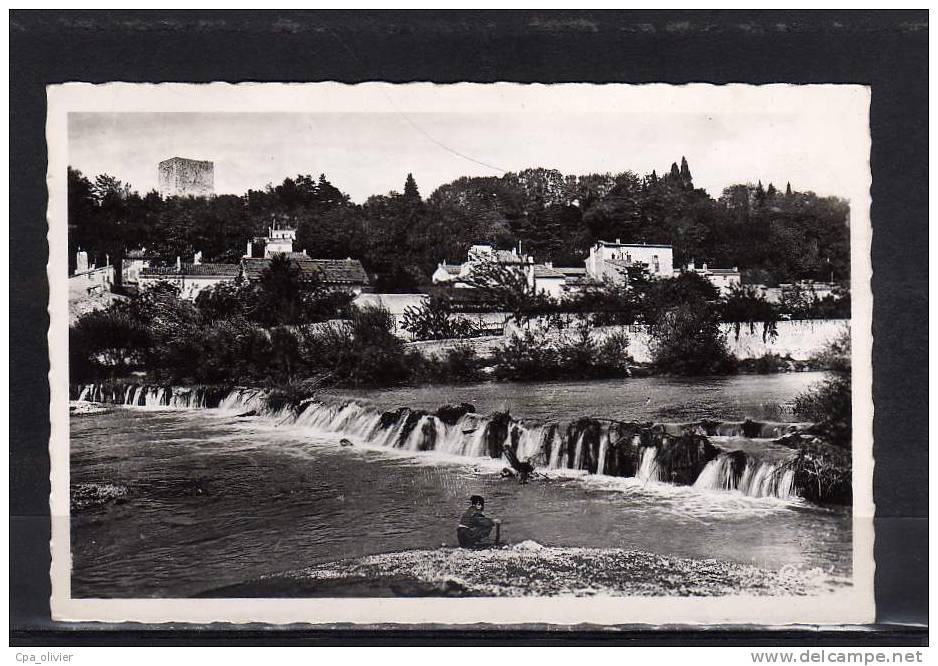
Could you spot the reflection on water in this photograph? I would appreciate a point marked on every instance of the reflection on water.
(729, 398)
(215, 500)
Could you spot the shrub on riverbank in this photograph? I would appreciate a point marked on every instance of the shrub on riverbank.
(434, 320)
(361, 351)
(460, 364)
(532, 354)
(687, 340)
(823, 473)
(829, 404)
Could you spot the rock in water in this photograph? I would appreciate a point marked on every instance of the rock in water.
(450, 414)
(345, 442)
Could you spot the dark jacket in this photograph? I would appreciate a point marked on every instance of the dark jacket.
(474, 528)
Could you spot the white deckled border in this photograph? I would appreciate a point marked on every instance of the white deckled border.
(852, 605)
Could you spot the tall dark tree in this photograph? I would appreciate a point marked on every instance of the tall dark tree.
(788, 189)
(686, 178)
(411, 193)
(328, 195)
(675, 173)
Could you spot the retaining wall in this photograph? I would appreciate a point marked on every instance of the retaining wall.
(799, 339)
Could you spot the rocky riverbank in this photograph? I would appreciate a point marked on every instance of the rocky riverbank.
(529, 569)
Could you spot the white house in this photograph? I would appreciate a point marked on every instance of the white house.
(191, 279)
(575, 278)
(90, 279)
(457, 275)
(279, 240)
(135, 261)
(721, 278)
(542, 277)
(612, 261)
(545, 279)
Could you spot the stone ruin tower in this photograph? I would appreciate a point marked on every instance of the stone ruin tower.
(187, 178)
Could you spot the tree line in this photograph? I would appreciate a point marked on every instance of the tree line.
(771, 235)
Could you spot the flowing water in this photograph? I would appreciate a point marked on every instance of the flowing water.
(210, 499)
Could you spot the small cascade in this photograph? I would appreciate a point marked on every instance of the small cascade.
(649, 469)
(601, 457)
(578, 452)
(736, 471)
(676, 453)
(555, 444)
(767, 480)
(144, 395)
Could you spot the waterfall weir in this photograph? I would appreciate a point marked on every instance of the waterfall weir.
(682, 454)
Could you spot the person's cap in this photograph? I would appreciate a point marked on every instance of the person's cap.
(477, 499)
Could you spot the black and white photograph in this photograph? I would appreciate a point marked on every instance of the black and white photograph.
(416, 353)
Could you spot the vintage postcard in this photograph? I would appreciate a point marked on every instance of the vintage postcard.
(489, 354)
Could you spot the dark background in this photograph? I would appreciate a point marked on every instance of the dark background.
(886, 50)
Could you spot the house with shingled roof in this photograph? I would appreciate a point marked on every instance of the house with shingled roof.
(543, 278)
(346, 274)
(190, 278)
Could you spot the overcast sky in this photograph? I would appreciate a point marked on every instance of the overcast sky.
(366, 153)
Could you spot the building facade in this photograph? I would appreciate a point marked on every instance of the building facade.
(134, 262)
(613, 261)
(190, 278)
(89, 279)
(182, 177)
(724, 279)
(543, 278)
(279, 240)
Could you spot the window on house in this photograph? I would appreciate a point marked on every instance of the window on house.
(654, 261)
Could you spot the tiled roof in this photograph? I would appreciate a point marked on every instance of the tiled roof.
(546, 272)
(195, 270)
(723, 271)
(329, 271)
(571, 271)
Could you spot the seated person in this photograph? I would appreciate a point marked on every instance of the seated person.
(474, 526)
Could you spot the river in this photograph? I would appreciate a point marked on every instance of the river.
(212, 500)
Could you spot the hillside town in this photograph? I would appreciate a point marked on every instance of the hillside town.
(608, 263)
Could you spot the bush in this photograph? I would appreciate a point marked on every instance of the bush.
(835, 356)
(533, 355)
(687, 340)
(434, 320)
(829, 404)
(457, 365)
(106, 342)
(527, 355)
(362, 351)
